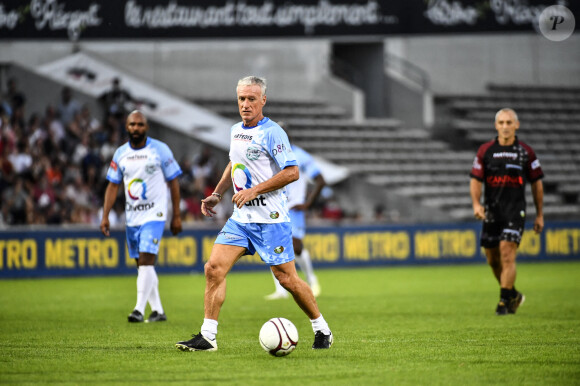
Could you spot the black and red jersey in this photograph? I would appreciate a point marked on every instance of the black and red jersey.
(504, 171)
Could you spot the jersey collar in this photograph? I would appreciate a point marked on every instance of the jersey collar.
(261, 122)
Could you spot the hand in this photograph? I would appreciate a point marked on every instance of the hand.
(539, 224)
(243, 196)
(105, 226)
(479, 211)
(175, 225)
(207, 205)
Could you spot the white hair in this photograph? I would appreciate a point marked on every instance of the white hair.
(507, 110)
(253, 80)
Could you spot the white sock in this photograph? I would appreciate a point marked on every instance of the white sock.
(320, 324)
(305, 265)
(154, 298)
(279, 288)
(145, 282)
(209, 328)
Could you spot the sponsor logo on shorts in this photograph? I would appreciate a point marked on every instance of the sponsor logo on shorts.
(159, 214)
(230, 236)
(279, 249)
(274, 215)
(155, 241)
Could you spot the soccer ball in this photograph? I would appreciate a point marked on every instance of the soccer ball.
(278, 337)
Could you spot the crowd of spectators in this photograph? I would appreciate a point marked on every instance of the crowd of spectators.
(53, 164)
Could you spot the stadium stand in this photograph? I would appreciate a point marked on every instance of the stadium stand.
(430, 168)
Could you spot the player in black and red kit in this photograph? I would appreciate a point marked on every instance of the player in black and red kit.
(504, 165)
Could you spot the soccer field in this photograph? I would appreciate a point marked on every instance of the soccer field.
(392, 325)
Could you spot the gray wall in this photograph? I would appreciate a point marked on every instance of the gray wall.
(298, 68)
(465, 64)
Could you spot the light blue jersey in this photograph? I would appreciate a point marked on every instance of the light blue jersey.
(308, 170)
(145, 173)
(258, 153)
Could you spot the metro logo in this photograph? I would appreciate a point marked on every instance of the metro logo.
(495, 181)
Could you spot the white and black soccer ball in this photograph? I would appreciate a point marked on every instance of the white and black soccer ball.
(278, 337)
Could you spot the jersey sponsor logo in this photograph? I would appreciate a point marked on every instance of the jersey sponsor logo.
(258, 201)
(535, 164)
(253, 153)
(512, 166)
(278, 149)
(169, 162)
(243, 137)
(150, 169)
(496, 181)
(279, 249)
(137, 187)
(139, 208)
(241, 177)
(137, 157)
(274, 215)
(476, 164)
(114, 165)
(505, 154)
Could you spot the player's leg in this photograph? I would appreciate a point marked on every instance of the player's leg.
(300, 291)
(509, 241)
(279, 291)
(494, 261)
(274, 244)
(132, 234)
(221, 261)
(514, 298)
(490, 239)
(508, 251)
(150, 235)
(231, 244)
(303, 296)
(305, 264)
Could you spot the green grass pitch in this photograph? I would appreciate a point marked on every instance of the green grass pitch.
(392, 325)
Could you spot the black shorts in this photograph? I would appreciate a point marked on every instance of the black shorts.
(493, 232)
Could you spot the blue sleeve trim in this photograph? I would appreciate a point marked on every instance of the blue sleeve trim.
(113, 180)
(174, 176)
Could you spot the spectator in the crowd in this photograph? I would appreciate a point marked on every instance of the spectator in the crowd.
(114, 100)
(21, 160)
(6, 169)
(204, 172)
(17, 204)
(13, 96)
(68, 107)
(54, 125)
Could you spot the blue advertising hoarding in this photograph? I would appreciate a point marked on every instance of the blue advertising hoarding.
(65, 252)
